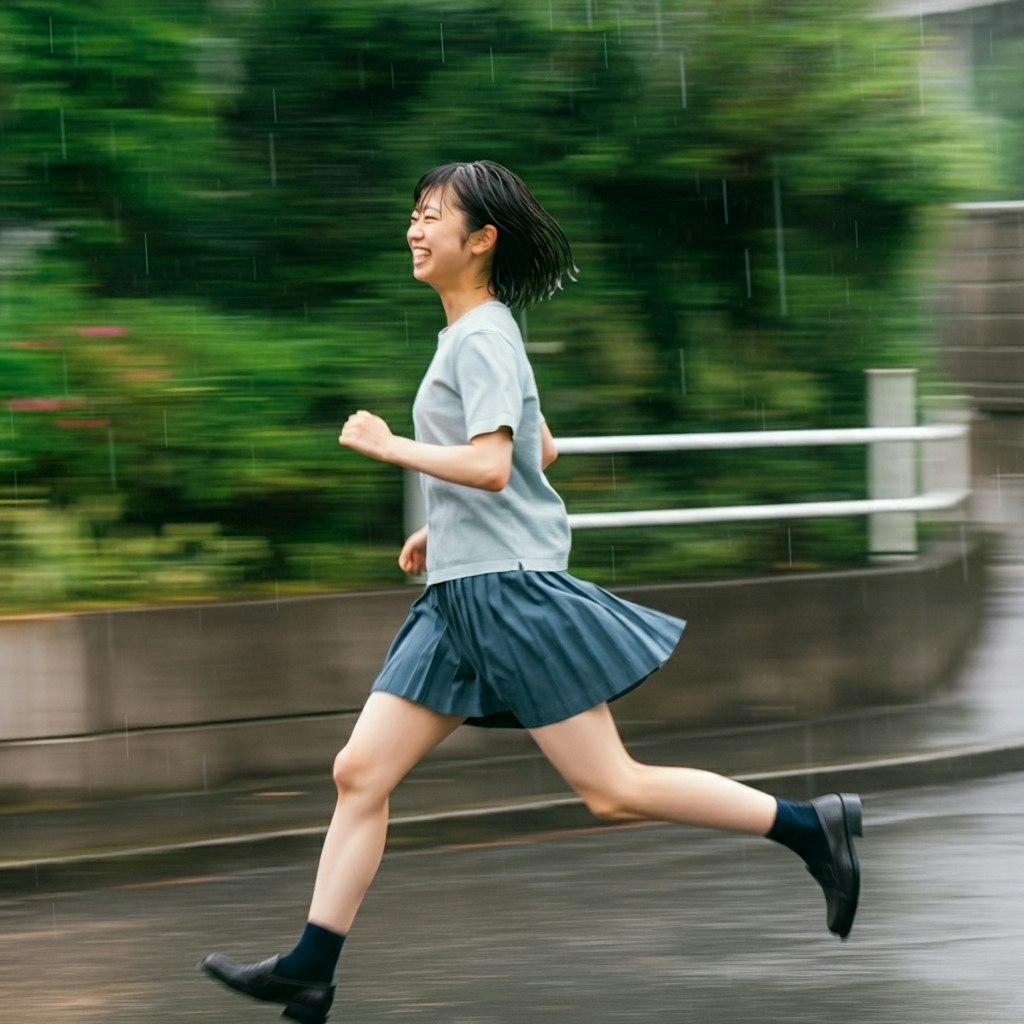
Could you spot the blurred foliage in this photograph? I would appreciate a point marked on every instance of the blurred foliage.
(999, 89)
(203, 270)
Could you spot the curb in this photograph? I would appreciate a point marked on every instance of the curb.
(145, 864)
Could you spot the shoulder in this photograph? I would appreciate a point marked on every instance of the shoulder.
(491, 324)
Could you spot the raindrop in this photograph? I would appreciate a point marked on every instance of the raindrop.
(604, 36)
(682, 371)
(746, 264)
(442, 42)
(112, 458)
(145, 251)
(725, 201)
(615, 484)
(273, 161)
(657, 25)
(590, 14)
(780, 251)
(392, 76)
(63, 137)
(51, 35)
(856, 235)
(166, 441)
(789, 540)
(273, 99)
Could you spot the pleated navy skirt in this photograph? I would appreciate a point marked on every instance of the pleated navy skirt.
(524, 649)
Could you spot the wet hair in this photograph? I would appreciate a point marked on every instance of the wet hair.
(532, 254)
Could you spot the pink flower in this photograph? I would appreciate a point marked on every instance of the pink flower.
(102, 331)
(42, 404)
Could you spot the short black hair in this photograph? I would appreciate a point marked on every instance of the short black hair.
(532, 255)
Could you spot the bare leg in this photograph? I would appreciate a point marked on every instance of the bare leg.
(588, 752)
(390, 737)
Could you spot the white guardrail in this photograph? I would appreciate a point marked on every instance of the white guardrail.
(894, 469)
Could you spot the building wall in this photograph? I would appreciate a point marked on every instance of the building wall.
(981, 304)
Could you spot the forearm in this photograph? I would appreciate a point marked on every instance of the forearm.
(548, 451)
(467, 464)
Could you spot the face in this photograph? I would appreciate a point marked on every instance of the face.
(442, 250)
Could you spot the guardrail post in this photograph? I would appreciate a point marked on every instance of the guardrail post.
(891, 464)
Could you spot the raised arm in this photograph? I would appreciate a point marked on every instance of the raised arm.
(485, 463)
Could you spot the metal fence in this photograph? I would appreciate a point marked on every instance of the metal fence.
(903, 479)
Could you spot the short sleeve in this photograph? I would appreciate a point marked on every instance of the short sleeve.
(487, 376)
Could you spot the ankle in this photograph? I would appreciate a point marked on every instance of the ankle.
(314, 958)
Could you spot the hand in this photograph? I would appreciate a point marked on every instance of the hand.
(367, 434)
(414, 552)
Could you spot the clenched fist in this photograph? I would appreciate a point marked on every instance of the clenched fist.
(367, 434)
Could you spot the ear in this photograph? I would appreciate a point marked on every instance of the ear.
(484, 240)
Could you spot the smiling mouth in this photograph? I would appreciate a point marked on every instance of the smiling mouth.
(419, 256)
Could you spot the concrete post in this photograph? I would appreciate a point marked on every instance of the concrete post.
(891, 464)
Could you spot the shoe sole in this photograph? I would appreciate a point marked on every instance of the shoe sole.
(853, 822)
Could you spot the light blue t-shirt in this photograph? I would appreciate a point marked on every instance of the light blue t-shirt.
(478, 381)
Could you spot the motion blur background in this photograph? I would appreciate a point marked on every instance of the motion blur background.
(203, 267)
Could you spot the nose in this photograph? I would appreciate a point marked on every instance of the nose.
(415, 231)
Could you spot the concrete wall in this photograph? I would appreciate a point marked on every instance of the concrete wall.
(981, 301)
(167, 699)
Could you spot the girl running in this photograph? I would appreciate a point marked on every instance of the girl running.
(503, 635)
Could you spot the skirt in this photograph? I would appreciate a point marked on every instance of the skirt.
(523, 649)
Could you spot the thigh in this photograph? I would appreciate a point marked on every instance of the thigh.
(586, 749)
(393, 734)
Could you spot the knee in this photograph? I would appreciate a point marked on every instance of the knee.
(353, 771)
(601, 805)
(610, 804)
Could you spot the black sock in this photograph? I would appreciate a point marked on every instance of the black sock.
(314, 958)
(797, 826)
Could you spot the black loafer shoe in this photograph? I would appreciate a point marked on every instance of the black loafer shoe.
(841, 818)
(304, 1002)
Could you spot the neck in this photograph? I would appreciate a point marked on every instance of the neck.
(457, 304)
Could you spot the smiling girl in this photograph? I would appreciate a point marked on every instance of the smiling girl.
(503, 635)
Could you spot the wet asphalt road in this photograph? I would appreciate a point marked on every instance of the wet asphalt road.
(637, 923)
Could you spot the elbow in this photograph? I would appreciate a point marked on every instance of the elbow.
(496, 479)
